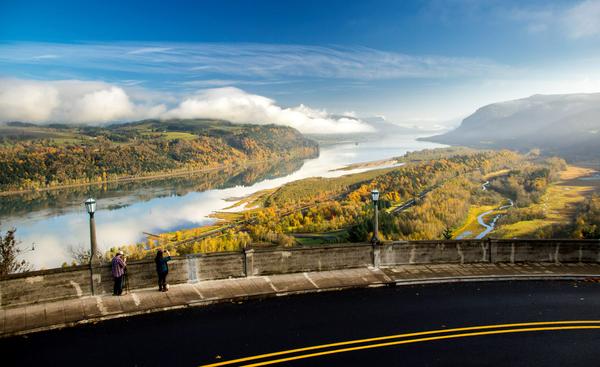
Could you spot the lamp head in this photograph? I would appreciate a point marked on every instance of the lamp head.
(90, 205)
(375, 194)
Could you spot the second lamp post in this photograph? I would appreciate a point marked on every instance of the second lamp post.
(375, 196)
(90, 205)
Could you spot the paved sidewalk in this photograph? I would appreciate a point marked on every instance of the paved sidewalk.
(50, 315)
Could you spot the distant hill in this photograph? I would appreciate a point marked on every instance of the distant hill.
(42, 156)
(385, 127)
(567, 125)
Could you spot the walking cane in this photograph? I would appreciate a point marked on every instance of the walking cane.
(126, 281)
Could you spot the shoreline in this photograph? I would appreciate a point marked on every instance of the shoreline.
(140, 178)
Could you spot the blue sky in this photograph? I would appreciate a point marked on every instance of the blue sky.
(426, 63)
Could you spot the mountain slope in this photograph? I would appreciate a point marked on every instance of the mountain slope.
(567, 125)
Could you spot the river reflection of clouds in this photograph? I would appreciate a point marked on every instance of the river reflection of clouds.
(171, 206)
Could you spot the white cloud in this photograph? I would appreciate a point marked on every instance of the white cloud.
(74, 101)
(148, 50)
(575, 20)
(265, 62)
(583, 20)
(235, 105)
(48, 56)
(103, 105)
(537, 20)
(27, 100)
(69, 101)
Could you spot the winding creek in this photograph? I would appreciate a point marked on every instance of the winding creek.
(490, 227)
(480, 218)
(54, 221)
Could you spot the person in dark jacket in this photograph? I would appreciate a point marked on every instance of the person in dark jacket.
(162, 269)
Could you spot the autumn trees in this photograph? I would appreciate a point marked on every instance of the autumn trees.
(9, 254)
(153, 147)
(587, 221)
(442, 185)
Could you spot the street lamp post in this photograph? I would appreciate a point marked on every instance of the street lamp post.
(375, 196)
(90, 206)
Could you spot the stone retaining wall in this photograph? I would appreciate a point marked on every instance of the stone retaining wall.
(556, 251)
(72, 282)
(295, 260)
(434, 252)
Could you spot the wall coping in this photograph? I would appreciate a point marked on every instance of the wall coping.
(304, 248)
(552, 240)
(44, 272)
(107, 265)
(30, 287)
(295, 249)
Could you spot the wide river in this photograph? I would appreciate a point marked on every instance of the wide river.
(49, 224)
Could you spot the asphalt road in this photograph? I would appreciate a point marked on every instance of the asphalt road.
(220, 333)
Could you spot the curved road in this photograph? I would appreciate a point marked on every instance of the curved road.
(498, 324)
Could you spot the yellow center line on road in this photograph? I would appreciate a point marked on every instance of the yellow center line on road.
(398, 336)
(419, 340)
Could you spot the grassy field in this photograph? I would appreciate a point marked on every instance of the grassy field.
(496, 174)
(66, 141)
(171, 135)
(256, 199)
(226, 216)
(310, 241)
(55, 136)
(575, 172)
(338, 236)
(558, 203)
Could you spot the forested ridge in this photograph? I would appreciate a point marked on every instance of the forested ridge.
(34, 157)
(127, 192)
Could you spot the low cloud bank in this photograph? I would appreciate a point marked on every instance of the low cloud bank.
(74, 101)
(70, 101)
(235, 105)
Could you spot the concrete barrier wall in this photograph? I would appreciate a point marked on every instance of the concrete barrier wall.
(219, 266)
(64, 283)
(45, 285)
(72, 282)
(294, 260)
(556, 251)
(434, 252)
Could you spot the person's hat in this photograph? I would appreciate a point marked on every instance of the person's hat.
(120, 253)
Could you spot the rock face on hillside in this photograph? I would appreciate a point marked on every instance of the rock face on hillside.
(566, 125)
